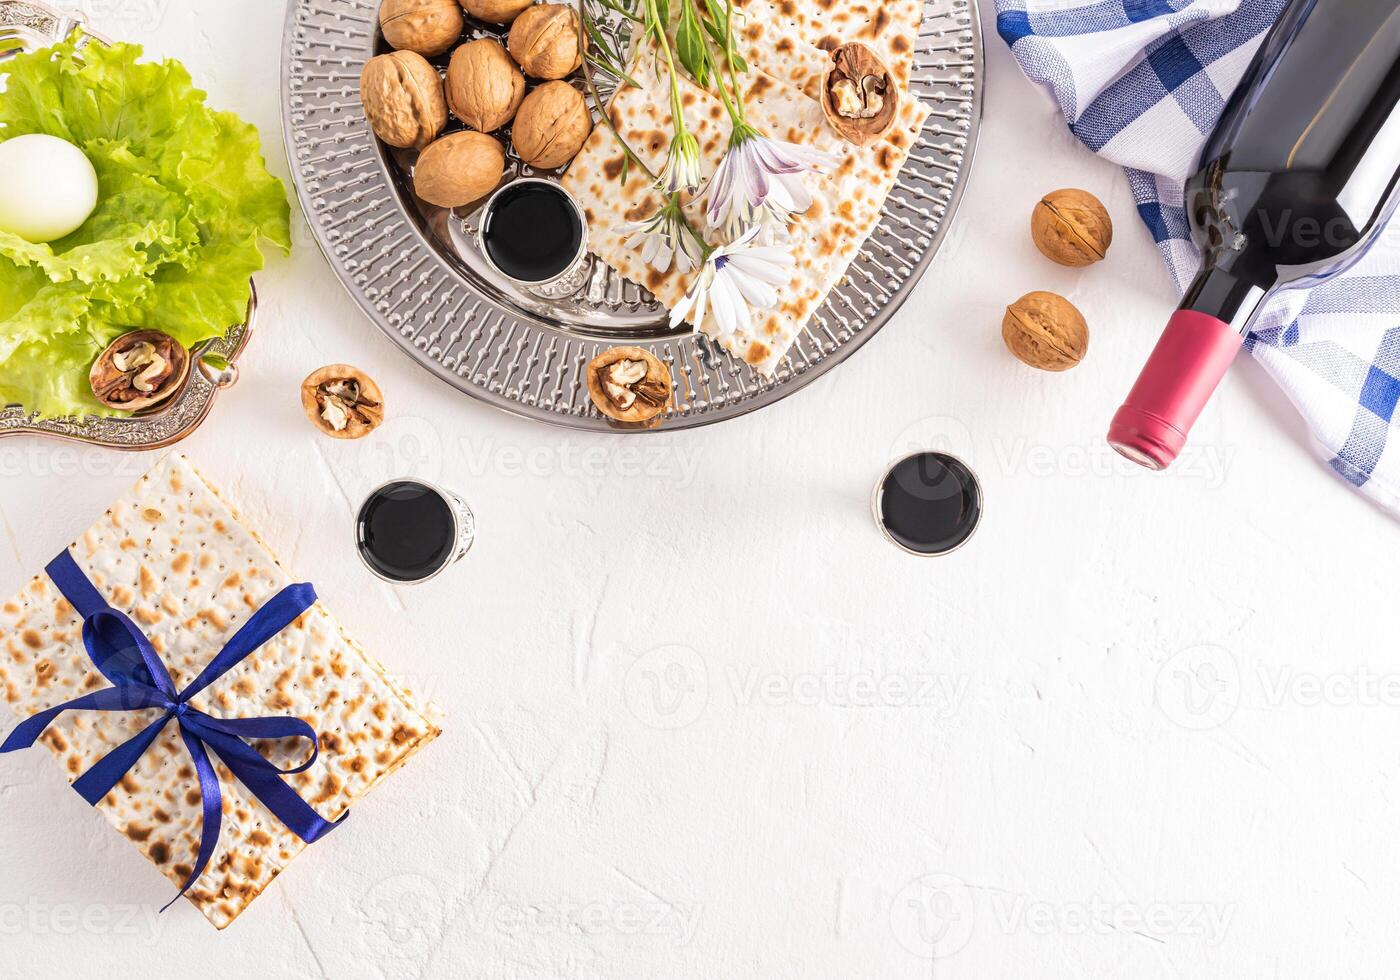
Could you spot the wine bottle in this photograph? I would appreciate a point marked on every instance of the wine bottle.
(1298, 178)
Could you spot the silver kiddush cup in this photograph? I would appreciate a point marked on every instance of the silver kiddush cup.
(558, 283)
(409, 531)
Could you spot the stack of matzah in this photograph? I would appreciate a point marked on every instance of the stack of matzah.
(174, 557)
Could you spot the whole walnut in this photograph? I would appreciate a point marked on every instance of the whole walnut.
(545, 41)
(1045, 331)
(484, 88)
(495, 11)
(428, 27)
(551, 126)
(403, 100)
(458, 169)
(1071, 227)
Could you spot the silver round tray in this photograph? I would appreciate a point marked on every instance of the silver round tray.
(415, 271)
(26, 27)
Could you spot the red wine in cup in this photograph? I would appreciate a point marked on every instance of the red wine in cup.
(1295, 183)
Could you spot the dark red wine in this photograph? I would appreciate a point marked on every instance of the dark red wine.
(407, 531)
(1297, 179)
(532, 231)
(929, 503)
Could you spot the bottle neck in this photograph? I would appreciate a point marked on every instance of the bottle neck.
(1220, 293)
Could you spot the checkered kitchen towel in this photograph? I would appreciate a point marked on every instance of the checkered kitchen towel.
(1142, 83)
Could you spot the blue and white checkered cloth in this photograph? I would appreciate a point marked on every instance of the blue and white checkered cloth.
(1142, 83)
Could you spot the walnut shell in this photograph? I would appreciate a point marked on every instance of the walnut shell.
(495, 11)
(484, 88)
(629, 385)
(429, 27)
(342, 401)
(545, 41)
(139, 370)
(859, 96)
(1045, 331)
(403, 100)
(458, 169)
(551, 126)
(1071, 227)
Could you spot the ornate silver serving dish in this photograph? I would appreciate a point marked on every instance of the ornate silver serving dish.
(416, 271)
(25, 27)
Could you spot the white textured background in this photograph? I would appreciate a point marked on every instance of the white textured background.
(705, 722)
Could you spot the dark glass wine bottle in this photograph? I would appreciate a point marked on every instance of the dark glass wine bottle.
(1299, 177)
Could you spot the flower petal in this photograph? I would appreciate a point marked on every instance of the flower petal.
(773, 273)
(682, 309)
(727, 293)
(754, 291)
(726, 318)
(699, 317)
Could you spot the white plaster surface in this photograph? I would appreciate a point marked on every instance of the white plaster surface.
(703, 721)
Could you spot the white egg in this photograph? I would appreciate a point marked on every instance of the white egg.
(48, 188)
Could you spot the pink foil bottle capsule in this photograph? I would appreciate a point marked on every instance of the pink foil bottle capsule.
(1185, 368)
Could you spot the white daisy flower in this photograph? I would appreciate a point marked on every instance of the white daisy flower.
(681, 173)
(663, 239)
(737, 277)
(761, 180)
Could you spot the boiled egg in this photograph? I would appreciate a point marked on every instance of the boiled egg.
(48, 188)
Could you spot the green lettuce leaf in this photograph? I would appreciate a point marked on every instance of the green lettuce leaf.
(53, 372)
(184, 202)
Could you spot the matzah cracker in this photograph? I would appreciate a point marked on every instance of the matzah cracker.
(779, 36)
(173, 556)
(792, 39)
(845, 210)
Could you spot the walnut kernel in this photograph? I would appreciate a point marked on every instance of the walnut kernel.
(342, 401)
(859, 97)
(139, 370)
(629, 384)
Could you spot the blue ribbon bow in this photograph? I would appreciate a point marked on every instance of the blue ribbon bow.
(124, 655)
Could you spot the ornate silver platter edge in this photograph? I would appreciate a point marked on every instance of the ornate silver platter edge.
(25, 26)
(524, 364)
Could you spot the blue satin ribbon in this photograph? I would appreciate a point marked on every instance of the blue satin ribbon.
(124, 655)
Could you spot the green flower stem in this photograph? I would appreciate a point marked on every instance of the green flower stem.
(598, 98)
(675, 201)
(658, 31)
(618, 8)
(705, 247)
(729, 49)
(735, 105)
